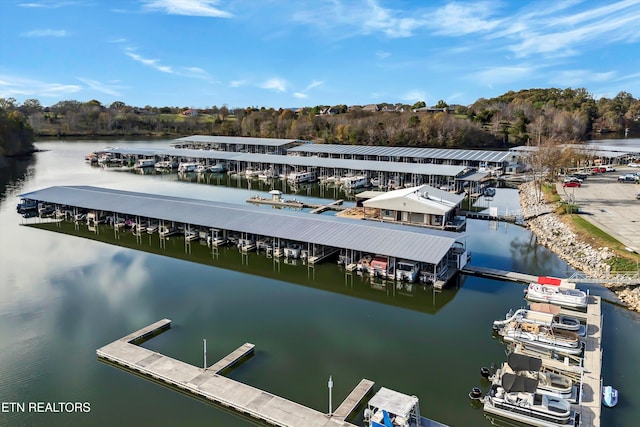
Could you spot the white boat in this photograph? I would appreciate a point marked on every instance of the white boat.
(267, 174)
(516, 398)
(542, 336)
(407, 271)
(217, 168)
(353, 182)
(549, 383)
(202, 169)
(144, 163)
(558, 295)
(166, 231)
(609, 396)
(540, 313)
(187, 167)
(166, 164)
(391, 408)
(292, 251)
(300, 177)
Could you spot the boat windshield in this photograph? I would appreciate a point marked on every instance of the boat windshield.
(405, 266)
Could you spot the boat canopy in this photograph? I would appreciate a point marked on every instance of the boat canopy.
(521, 362)
(516, 383)
(394, 402)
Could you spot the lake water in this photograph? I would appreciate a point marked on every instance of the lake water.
(64, 296)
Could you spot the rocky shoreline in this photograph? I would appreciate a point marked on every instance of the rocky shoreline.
(554, 234)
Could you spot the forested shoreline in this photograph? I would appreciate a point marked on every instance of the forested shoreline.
(514, 118)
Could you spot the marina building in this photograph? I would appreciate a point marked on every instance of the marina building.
(422, 205)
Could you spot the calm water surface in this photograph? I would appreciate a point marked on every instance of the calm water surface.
(64, 296)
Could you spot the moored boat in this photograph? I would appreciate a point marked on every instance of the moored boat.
(391, 408)
(540, 313)
(565, 297)
(549, 383)
(543, 336)
(609, 396)
(516, 398)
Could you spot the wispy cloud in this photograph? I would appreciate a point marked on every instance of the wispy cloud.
(45, 33)
(237, 83)
(47, 4)
(276, 83)
(459, 19)
(577, 78)
(382, 54)
(303, 94)
(12, 86)
(206, 8)
(100, 87)
(153, 63)
(414, 96)
(501, 74)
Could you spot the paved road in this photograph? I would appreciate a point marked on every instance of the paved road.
(609, 205)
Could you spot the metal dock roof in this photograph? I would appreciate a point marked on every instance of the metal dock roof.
(300, 161)
(414, 152)
(269, 142)
(414, 243)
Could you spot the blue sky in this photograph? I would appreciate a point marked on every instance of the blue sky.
(283, 53)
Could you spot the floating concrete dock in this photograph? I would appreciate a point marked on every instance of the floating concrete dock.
(591, 399)
(499, 274)
(208, 384)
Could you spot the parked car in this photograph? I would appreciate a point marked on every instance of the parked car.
(629, 177)
(634, 165)
(570, 178)
(638, 196)
(599, 169)
(571, 184)
(610, 168)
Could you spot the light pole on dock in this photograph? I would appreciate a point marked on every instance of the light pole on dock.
(330, 387)
(204, 340)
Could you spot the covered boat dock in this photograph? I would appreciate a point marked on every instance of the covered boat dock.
(320, 235)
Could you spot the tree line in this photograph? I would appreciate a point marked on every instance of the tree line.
(530, 116)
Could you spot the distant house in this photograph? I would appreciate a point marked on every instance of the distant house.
(422, 205)
(434, 110)
(190, 112)
(371, 107)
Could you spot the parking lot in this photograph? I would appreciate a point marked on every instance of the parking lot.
(610, 205)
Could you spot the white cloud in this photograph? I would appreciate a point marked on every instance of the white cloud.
(45, 33)
(47, 4)
(12, 86)
(206, 8)
(100, 87)
(501, 74)
(576, 78)
(237, 83)
(382, 54)
(300, 95)
(414, 96)
(277, 84)
(458, 19)
(314, 83)
(153, 63)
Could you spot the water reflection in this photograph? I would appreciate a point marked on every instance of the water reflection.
(132, 272)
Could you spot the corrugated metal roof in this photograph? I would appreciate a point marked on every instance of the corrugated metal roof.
(269, 142)
(411, 152)
(421, 199)
(394, 240)
(299, 161)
